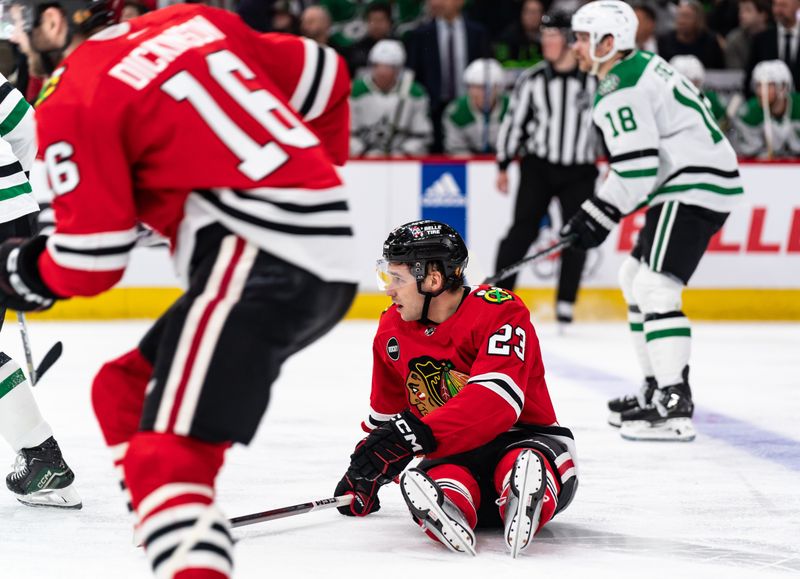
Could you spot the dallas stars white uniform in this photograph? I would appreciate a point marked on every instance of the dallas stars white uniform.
(389, 123)
(17, 152)
(663, 141)
(750, 133)
(464, 126)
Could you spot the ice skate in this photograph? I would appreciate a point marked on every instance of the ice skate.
(523, 501)
(669, 418)
(41, 478)
(630, 402)
(436, 513)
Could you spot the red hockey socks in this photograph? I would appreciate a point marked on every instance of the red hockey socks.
(171, 480)
(502, 474)
(118, 393)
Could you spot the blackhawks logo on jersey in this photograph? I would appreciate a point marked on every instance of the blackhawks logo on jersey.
(432, 382)
(50, 86)
(495, 295)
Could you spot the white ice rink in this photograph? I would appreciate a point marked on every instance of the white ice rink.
(726, 505)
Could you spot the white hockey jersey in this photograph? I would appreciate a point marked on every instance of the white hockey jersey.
(750, 131)
(465, 126)
(663, 141)
(17, 152)
(391, 123)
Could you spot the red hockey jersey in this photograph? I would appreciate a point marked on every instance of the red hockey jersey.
(470, 378)
(184, 117)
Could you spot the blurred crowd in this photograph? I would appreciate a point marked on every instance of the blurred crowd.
(436, 76)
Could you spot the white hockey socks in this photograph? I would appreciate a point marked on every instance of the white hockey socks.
(636, 325)
(21, 423)
(669, 343)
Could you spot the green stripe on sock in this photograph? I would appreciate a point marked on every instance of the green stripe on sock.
(668, 333)
(14, 117)
(637, 327)
(11, 382)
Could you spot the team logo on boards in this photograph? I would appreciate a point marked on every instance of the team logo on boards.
(495, 295)
(431, 383)
(393, 349)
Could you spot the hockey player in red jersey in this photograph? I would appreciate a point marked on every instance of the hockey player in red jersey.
(458, 379)
(224, 142)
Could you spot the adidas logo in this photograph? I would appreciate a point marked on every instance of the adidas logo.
(444, 192)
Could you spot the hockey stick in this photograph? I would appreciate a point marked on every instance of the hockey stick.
(404, 93)
(515, 267)
(50, 358)
(291, 511)
(762, 94)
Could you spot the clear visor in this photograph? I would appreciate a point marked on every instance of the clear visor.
(392, 275)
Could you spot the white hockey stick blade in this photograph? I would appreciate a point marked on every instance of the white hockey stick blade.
(423, 499)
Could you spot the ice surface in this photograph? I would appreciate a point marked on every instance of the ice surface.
(726, 505)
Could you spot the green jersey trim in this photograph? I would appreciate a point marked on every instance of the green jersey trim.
(14, 117)
(15, 191)
(625, 74)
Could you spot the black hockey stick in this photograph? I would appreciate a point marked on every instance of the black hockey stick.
(291, 511)
(53, 354)
(515, 267)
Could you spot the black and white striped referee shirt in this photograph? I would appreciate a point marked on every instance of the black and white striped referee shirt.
(550, 117)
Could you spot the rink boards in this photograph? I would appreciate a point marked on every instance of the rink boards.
(751, 270)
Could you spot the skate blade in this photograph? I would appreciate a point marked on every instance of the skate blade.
(615, 419)
(422, 499)
(66, 498)
(528, 485)
(670, 430)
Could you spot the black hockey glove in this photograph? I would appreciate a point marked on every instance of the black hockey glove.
(388, 449)
(21, 286)
(365, 496)
(590, 226)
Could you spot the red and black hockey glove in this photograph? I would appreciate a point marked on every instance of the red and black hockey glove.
(365, 496)
(388, 449)
(21, 286)
(590, 226)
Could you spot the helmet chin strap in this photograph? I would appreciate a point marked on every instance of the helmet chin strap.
(423, 318)
(598, 60)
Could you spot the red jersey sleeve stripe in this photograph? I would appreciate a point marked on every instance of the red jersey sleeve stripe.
(313, 91)
(107, 251)
(503, 386)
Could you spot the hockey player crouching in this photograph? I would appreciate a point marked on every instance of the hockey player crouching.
(458, 379)
(666, 153)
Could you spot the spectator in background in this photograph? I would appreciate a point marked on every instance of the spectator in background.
(283, 19)
(439, 52)
(769, 124)
(378, 18)
(691, 67)
(519, 45)
(256, 13)
(132, 10)
(315, 23)
(646, 32)
(471, 122)
(753, 19)
(722, 16)
(691, 37)
(388, 110)
(778, 42)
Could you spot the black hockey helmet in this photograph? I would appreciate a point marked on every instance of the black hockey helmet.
(419, 243)
(97, 14)
(557, 19)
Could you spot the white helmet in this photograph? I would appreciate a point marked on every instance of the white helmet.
(690, 67)
(774, 71)
(389, 52)
(484, 71)
(602, 18)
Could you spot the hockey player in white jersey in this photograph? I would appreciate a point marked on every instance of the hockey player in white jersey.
(466, 130)
(40, 477)
(768, 125)
(666, 153)
(389, 111)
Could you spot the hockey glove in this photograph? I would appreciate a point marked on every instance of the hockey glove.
(21, 286)
(365, 496)
(590, 226)
(388, 449)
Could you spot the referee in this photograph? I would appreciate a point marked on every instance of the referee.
(549, 124)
